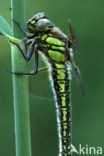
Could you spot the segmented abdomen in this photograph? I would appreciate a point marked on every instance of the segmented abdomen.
(61, 83)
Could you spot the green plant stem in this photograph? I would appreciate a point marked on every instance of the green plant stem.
(20, 86)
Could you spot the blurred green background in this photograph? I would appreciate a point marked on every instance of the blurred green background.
(88, 112)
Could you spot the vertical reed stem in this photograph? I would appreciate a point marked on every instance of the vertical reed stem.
(20, 86)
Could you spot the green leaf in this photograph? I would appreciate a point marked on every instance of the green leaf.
(13, 40)
(5, 28)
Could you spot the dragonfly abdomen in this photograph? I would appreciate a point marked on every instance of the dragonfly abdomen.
(61, 83)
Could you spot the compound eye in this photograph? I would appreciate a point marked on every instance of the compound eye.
(44, 25)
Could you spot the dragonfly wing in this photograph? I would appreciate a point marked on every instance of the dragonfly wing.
(73, 39)
(39, 85)
(78, 79)
(78, 75)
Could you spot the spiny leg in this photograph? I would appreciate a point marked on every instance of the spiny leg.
(36, 62)
(28, 43)
(25, 33)
(27, 59)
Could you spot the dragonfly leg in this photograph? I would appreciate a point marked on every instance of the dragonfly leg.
(27, 59)
(36, 62)
(31, 51)
(29, 42)
(20, 49)
(25, 33)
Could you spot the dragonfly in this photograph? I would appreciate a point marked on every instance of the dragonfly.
(57, 51)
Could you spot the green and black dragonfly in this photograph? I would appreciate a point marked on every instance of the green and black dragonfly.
(57, 50)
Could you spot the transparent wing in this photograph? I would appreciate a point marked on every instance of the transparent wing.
(73, 39)
(40, 86)
(74, 43)
(78, 78)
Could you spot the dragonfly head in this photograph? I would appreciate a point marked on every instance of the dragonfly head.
(39, 23)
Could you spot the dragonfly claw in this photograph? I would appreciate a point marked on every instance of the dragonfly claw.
(18, 73)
